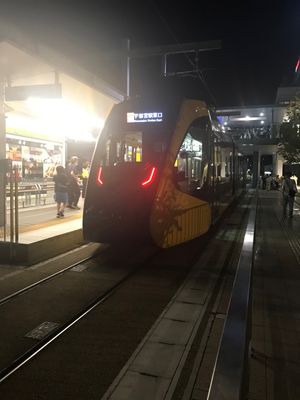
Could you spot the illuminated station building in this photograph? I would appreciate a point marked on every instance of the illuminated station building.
(256, 130)
(52, 108)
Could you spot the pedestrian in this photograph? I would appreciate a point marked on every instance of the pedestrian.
(74, 187)
(294, 177)
(268, 182)
(289, 189)
(84, 176)
(277, 182)
(60, 190)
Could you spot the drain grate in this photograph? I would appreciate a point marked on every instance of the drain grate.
(42, 330)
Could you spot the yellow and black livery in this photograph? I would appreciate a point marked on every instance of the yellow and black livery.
(162, 170)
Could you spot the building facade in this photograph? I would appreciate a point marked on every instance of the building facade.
(256, 130)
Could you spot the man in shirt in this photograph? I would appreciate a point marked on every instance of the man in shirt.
(289, 189)
(74, 188)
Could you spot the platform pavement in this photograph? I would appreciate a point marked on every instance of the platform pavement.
(42, 235)
(275, 344)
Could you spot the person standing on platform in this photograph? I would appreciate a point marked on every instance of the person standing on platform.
(294, 177)
(289, 189)
(263, 180)
(60, 190)
(85, 175)
(268, 182)
(277, 182)
(74, 188)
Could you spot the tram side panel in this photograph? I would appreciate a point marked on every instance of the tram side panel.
(229, 180)
(200, 179)
(178, 216)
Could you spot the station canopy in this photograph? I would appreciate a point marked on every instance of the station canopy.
(48, 96)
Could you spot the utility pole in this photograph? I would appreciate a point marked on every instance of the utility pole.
(127, 50)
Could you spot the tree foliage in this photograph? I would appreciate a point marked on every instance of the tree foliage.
(289, 148)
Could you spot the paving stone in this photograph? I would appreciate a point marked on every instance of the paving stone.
(275, 327)
(184, 312)
(258, 317)
(258, 333)
(257, 386)
(200, 283)
(172, 332)
(258, 347)
(189, 295)
(157, 359)
(135, 386)
(284, 336)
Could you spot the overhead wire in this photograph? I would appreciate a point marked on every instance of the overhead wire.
(199, 73)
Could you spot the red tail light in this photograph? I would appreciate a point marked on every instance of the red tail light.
(99, 177)
(150, 177)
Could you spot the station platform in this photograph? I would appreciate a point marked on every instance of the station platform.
(42, 235)
(274, 365)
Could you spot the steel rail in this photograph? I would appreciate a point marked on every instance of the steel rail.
(228, 379)
(36, 349)
(47, 278)
(45, 342)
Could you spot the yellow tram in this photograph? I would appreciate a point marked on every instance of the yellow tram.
(162, 170)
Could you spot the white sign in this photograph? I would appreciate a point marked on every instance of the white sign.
(144, 117)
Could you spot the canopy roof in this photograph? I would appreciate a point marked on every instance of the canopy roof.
(84, 101)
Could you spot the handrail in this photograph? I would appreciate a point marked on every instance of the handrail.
(25, 193)
(229, 371)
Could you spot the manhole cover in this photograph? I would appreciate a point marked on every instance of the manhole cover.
(79, 268)
(42, 330)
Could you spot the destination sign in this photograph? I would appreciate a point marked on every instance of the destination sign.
(133, 117)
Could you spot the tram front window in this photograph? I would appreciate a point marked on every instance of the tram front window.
(135, 147)
(124, 148)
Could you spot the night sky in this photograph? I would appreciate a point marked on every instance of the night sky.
(260, 42)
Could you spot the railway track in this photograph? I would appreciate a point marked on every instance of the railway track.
(61, 287)
(78, 265)
(113, 323)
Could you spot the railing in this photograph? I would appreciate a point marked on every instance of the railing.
(14, 194)
(9, 194)
(34, 194)
(266, 134)
(229, 378)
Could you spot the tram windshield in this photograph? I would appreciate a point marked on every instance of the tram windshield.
(132, 147)
(118, 146)
(124, 148)
(137, 132)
